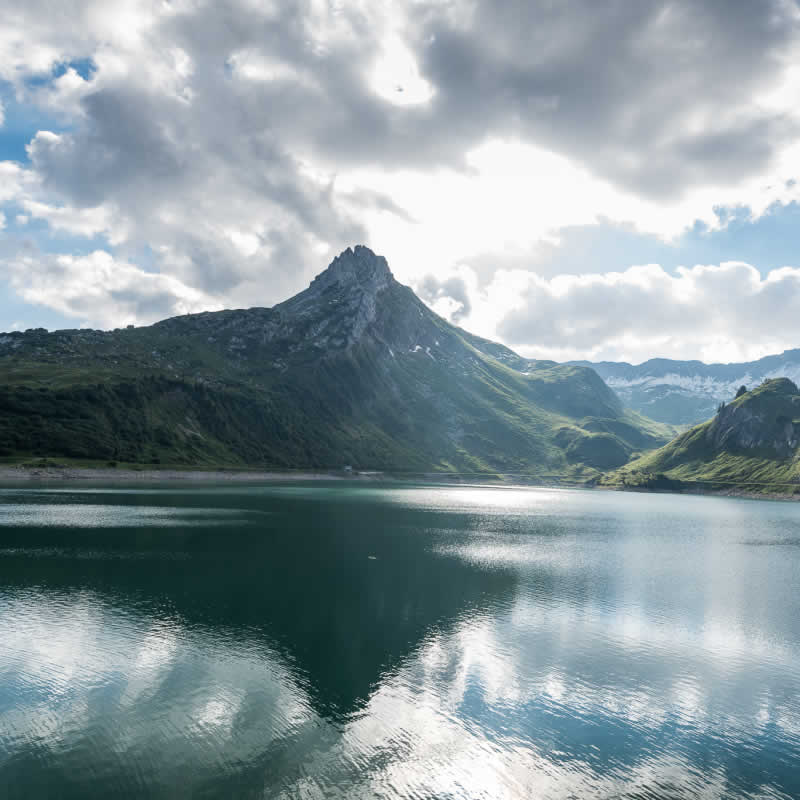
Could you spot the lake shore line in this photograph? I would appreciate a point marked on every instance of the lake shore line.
(731, 491)
(124, 475)
(789, 497)
(150, 474)
(54, 473)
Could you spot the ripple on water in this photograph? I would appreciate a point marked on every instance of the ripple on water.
(544, 645)
(87, 515)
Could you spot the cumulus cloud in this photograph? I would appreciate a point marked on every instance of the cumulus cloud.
(101, 290)
(243, 144)
(12, 181)
(652, 95)
(175, 149)
(86, 222)
(450, 294)
(728, 310)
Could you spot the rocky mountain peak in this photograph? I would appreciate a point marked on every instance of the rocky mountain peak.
(357, 267)
(341, 302)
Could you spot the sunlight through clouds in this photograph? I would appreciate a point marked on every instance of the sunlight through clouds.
(242, 147)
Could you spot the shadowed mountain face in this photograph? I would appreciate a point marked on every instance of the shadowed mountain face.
(353, 370)
(753, 442)
(688, 392)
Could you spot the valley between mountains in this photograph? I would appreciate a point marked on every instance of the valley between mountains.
(354, 371)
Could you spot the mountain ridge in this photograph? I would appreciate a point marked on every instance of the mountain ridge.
(355, 369)
(688, 392)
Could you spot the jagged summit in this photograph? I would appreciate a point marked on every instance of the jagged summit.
(358, 267)
(343, 300)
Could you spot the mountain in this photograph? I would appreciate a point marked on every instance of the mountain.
(355, 370)
(751, 443)
(688, 392)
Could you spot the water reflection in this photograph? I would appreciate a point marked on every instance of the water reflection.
(398, 643)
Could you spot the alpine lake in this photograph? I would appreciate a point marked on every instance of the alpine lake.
(368, 640)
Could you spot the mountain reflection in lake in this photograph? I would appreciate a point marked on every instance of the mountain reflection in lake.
(366, 641)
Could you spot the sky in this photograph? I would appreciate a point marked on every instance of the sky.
(615, 181)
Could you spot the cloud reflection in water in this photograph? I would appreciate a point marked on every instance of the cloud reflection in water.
(582, 655)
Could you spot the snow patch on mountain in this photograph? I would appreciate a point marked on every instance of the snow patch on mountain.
(686, 392)
(706, 384)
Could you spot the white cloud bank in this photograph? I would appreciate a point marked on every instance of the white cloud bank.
(243, 144)
(99, 290)
(726, 312)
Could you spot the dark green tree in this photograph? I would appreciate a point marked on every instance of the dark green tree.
(741, 390)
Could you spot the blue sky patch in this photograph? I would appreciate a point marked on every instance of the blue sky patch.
(767, 243)
(85, 67)
(22, 121)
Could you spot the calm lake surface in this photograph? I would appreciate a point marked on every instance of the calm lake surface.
(333, 640)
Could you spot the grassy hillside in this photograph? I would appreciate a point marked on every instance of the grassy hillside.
(751, 444)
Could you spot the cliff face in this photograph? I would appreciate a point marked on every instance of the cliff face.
(753, 443)
(768, 418)
(354, 283)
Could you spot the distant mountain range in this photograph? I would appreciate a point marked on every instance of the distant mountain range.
(355, 370)
(688, 392)
(750, 443)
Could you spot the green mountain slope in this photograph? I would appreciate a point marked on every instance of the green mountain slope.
(751, 443)
(353, 370)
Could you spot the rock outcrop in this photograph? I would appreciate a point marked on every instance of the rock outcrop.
(766, 419)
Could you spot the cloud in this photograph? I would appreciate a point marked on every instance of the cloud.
(102, 290)
(728, 310)
(174, 149)
(12, 180)
(653, 96)
(243, 144)
(450, 294)
(86, 222)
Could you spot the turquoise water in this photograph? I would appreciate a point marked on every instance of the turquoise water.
(333, 640)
